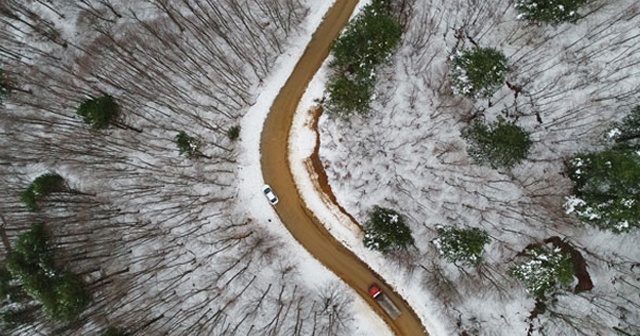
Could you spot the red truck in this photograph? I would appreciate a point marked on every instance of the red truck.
(384, 301)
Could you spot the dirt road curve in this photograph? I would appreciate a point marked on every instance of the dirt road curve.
(292, 211)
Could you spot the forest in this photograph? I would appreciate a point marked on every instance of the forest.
(120, 127)
(488, 149)
(492, 158)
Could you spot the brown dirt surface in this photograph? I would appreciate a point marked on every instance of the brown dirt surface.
(291, 209)
(318, 168)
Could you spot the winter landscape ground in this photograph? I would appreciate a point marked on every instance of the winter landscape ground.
(155, 225)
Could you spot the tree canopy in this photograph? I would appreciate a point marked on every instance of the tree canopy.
(500, 144)
(99, 112)
(386, 231)
(349, 94)
(478, 72)
(367, 42)
(606, 186)
(233, 133)
(42, 186)
(542, 269)
(187, 145)
(70, 297)
(461, 245)
(61, 293)
(549, 11)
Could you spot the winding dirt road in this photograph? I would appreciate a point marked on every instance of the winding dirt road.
(299, 220)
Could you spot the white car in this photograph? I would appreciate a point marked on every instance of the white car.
(271, 196)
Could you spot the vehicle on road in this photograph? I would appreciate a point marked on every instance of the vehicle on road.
(387, 305)
(271, 196)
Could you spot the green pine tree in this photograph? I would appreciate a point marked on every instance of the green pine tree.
(61, 293)
(99, 112)
(10, 289)
(5, 283)
(607, 188)
(233, 133)
(70, 297)
(543, 269)
(28, 198)
(500, 144)
(31, 252)
(187, 145)
(41, 186)
(479, 72)
(386, 231)
(550, 11)
(348, 95)
(31, 262)
(461, 245)
(368, 41)
(48, 183)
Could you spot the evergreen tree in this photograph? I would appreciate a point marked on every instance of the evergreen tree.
(479, 72)
(386, 231)
(42, 186)
(348, 95)
(461, 245)
(549, 11)
(99, 112)
(543, 268)
(70, 298)
(367, 42)
(48, 183)
(626, 133)
(31, 253)
(31, 264)
(233, 133)
(501, 144)
(28, 198)
(607, 189)
(187, 145)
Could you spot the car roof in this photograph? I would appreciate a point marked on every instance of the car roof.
(373, 289)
